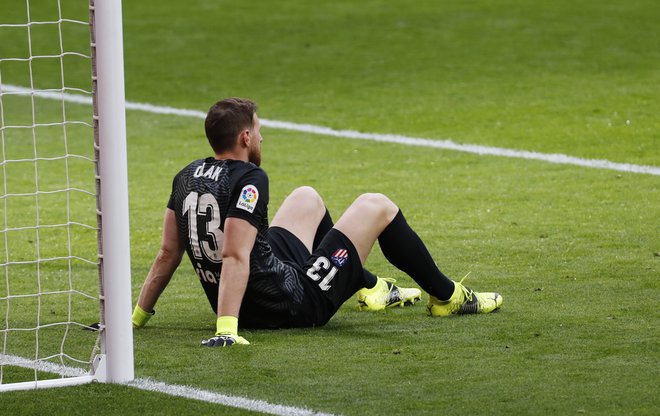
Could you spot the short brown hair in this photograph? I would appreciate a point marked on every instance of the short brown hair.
(226, 119)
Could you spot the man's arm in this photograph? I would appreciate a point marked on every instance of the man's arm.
(240, 236)
(239, 240)
(167, 260)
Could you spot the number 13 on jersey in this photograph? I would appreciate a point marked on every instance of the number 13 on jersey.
(207, 208)
(322, 266)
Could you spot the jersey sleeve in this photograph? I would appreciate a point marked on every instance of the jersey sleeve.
(170, 202)
(249, 200)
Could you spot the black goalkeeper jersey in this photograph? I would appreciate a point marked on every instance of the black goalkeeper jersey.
(204, 194)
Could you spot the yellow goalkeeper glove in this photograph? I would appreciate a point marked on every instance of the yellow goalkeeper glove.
(141, 317)
(226, 333)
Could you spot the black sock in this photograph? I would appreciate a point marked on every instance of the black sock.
(324, 226)
(369, 279)
(402, 247)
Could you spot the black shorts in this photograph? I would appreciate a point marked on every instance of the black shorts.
(330, 275)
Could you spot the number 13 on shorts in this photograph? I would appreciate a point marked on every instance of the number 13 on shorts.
(322, 267)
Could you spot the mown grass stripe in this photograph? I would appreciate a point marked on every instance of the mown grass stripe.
(556, 158)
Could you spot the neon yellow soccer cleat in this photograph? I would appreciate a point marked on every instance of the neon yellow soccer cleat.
(386, 295)
(464, 301)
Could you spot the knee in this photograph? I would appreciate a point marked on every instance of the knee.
(378, 204)
(306, 193)
(306, 196)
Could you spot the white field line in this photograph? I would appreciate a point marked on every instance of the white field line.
(350, 134)
(46, 366)
(217, 398)
(171, 389)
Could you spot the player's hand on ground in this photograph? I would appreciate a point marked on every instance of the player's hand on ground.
(225, 341)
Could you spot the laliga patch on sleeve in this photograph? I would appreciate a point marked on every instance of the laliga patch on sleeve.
(248, 198)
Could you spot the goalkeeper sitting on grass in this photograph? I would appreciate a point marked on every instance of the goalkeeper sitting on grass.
(298, 271)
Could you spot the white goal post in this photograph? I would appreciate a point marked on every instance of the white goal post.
(91, 139)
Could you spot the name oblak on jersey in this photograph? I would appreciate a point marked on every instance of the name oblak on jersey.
(213, 172)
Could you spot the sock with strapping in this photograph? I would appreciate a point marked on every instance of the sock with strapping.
(403, 248)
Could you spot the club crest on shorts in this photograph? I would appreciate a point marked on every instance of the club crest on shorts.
(340, 257)
(248, 198)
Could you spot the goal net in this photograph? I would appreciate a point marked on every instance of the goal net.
(64, 259)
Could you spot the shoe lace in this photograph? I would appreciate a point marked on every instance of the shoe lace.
(466, 292)
(392, 290)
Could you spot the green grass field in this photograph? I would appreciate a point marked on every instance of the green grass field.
(574, 251)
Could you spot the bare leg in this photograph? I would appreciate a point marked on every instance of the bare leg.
(300, 213)
(365, 220)
(374, 216)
